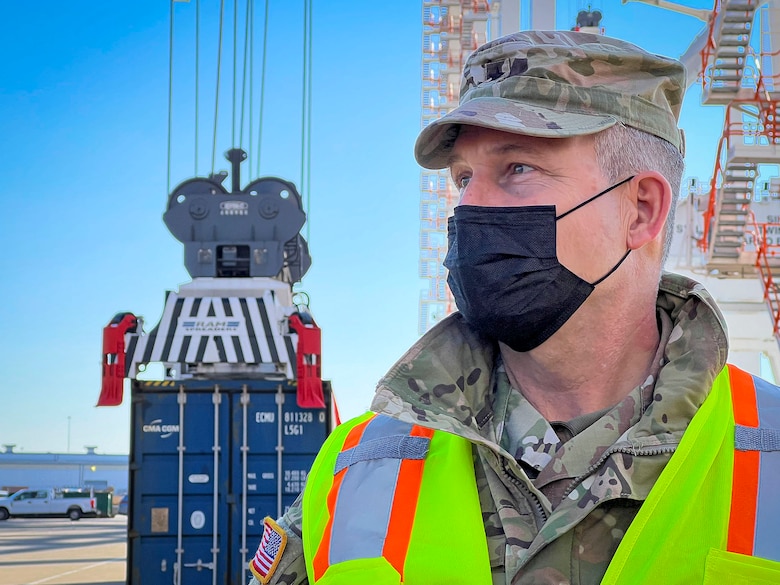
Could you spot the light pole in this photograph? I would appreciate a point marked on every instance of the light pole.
(693, 185)
(68, 451)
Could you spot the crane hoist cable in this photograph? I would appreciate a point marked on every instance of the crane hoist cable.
(306, 107)
(197, 77)
(247, 80)
(247, 20)
(170, 98)
(235, 74)
(304, 90)
(251, 74)
(262, 89)
(219, 67)
(309, 116)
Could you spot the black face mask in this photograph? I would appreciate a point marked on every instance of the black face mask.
(505, 275)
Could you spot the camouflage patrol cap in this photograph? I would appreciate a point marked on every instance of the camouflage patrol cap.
(556, 84)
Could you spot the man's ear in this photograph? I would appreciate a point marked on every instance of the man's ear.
(652, 196)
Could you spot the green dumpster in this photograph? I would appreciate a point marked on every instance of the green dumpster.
(104, 504)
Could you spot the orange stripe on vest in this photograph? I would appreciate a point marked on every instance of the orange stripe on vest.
(321, 561)
(402, 514)
(744, 490)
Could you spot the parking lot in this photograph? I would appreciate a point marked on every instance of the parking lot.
(56, 551)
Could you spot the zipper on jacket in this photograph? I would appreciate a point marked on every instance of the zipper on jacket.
(609, 452)
(540, 515)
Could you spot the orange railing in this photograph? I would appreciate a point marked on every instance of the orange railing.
(768, 265)
(729, 130)
(709, 47)
(766, 125)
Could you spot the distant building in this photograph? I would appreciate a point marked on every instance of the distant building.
(90, 469)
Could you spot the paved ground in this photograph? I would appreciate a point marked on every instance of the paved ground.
(56, 551)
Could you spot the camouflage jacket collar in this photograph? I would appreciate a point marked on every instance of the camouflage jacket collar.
(446, 379)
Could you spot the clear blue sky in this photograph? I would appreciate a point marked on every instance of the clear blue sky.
(83, 121)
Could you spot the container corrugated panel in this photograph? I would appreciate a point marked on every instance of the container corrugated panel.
(209, 460)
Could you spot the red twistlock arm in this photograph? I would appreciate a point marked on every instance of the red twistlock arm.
(310, 394)
(114, 358)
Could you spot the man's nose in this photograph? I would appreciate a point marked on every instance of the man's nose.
(480, 192)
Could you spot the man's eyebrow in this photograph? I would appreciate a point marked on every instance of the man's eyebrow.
(503, 149)
(512, 148)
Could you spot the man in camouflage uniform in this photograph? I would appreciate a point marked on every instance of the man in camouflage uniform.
(571, 423)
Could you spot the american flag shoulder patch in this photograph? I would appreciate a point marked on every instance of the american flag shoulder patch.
(269, 552)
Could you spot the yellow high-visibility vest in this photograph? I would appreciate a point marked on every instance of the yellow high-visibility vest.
(713, 516)
(389, 502)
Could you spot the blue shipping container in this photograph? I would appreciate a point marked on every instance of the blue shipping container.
(209, 460)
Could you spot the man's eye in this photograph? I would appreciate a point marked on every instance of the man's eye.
(520, 169)
(462, 182)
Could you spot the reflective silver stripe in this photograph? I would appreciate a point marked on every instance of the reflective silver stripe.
(767, 535)
(756, 439)
(393, 447)
(362, 512)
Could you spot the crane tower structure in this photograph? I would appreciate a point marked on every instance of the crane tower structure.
(735, 221)
(452, 29)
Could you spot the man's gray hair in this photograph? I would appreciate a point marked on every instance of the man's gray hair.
(622, 151)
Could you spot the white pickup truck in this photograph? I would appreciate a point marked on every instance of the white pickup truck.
(48, 502)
